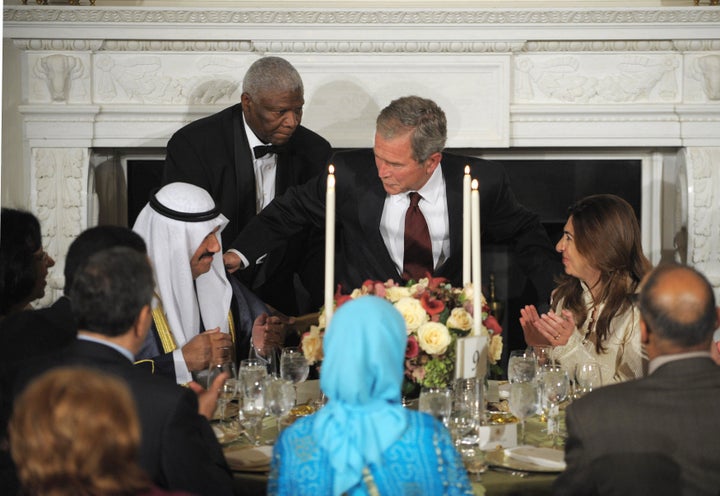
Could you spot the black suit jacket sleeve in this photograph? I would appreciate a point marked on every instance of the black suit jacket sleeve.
(192, 458)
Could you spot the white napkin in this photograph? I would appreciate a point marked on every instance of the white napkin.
(542, 457)
(249, 458)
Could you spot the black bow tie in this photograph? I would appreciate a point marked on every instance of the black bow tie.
(262, 150)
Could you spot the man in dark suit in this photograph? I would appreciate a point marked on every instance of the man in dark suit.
(217, 154)
(663, 425)
(111, 298)
(31, 333)
(372, 188)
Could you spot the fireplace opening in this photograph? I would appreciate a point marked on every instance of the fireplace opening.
(545, 186)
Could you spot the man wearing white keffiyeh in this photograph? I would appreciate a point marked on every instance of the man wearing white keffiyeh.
(182, 228)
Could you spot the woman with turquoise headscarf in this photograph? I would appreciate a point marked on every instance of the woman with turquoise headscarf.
(363, 441)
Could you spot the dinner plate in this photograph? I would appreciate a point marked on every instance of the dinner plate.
(504, 458)
(249, 458)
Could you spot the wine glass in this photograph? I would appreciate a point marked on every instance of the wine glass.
(587, 378)
(522, 366)
(294, 366)
(253, 408)
(543, 354)
(437, 402)
(279, 397)
(523, 403)
(555, 387)
(228, 390)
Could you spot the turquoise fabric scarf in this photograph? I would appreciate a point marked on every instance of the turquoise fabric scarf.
(361, 375)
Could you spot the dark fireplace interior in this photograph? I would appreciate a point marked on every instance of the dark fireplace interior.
(547, 187)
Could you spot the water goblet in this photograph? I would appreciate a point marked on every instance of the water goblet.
(279, 398)
(294, 366)
(587, 378)
(555, 387)
(437, 402)
(522, 366)
(252, 370)
(523, 403)
(253, 408)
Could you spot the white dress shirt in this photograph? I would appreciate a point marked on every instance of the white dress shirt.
(265, 169)
(433, 206)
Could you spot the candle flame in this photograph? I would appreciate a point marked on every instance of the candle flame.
(331, 169)
(467, 170)
(474, 184)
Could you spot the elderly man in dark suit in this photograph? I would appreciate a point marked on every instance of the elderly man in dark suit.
(373, 189)
(246, 155)
(111, 298)
(655, 435)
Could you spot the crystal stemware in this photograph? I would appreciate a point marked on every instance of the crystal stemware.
(523, 403)
(437, 402)
(279, 398)
(294, 367)
(555, 387)
(587, 378)
(229, 389)
(253, 408)
(522, 366)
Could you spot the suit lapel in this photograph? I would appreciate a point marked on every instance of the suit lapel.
(452, 173)
(370, 207)
(244, 171)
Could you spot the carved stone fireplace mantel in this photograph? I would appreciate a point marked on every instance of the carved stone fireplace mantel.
(636, 81)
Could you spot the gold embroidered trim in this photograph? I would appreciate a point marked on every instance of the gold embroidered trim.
(163, 328)
(150, 361)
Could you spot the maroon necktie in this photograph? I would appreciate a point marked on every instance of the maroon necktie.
(418, 259)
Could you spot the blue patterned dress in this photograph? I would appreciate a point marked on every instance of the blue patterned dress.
(422, 462)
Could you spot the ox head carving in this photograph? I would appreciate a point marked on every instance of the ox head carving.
(58, 71)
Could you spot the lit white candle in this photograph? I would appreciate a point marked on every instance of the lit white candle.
(466, 260)
(330, 244)
(476, 266)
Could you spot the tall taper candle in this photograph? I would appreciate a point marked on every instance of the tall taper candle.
(466, 260)
(476, 266)
(330, 245)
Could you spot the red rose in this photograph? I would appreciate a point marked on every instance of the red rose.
(340, 298)
(413, 348)
(493, 325)
(432, 305)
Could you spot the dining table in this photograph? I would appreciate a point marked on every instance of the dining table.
(501, 475)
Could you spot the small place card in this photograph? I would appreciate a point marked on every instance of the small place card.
(471, 357)
(492, 436)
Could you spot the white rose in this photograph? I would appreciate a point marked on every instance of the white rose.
(413, 312)
(312, 345)
(460, 319)
(396, 293)
(433, 338)
(495, 348)
(357, 293)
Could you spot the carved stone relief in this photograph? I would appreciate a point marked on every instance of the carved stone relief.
(60, 189)
(164, 79)
(596, 79)
(702, 177)
(706, 69)
(57, 75)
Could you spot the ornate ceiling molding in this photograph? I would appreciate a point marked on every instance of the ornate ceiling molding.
(370, 17)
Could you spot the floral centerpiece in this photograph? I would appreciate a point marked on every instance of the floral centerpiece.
(436, 315)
